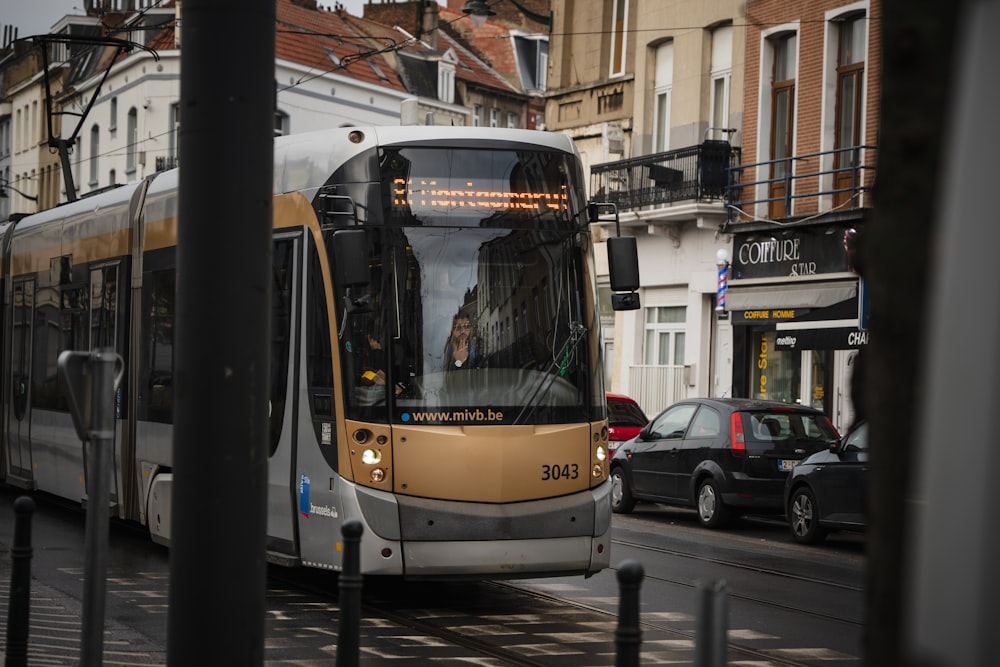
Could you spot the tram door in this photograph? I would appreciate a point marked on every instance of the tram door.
(283, 403)
(105, 324)
(19, 417)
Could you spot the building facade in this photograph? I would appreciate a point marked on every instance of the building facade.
(738, 142)
(653, 108)
(119, 117)
(810, 131)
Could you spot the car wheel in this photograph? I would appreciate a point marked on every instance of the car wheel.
(712, 512)
(803, 517)
(622, 501)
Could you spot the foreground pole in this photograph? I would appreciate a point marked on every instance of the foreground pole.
(349, 636)
(218, 563)
(20, 585)
(710, 641)
(628, 636)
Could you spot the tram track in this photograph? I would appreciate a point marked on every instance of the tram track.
(450, 619)
(648, 626)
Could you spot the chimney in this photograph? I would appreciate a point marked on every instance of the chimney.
(177, 24)
(429, 23)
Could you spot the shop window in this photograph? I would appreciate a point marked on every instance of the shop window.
(776, 375)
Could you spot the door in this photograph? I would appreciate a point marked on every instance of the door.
(705, 431)
(283, 403)
(840, 488)
(106, 332)
(19, 419)
(655, 460)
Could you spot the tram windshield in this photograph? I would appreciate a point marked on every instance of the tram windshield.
(481, 298)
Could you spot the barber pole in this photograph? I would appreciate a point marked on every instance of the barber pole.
(721, 294)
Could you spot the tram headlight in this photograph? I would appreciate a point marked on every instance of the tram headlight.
(601, 453)
(378, 475)
(598, 471)
(371, 456)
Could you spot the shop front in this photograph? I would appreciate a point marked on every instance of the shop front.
(793, 302)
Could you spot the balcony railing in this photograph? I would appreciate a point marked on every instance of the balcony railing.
(696, 172)
(801, 186)
(656, 387)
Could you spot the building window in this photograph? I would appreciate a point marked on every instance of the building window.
(173, 145)
(477, 115)
(132, 140)
(850, 94)
(280, 123)
(722, 66)
(494, 117)
(784, 49)
(665, 330)
(95, 149)
(662, 87)
(512, 119)
(619, 18)
(113, 120)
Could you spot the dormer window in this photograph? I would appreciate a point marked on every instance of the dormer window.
(446, 76)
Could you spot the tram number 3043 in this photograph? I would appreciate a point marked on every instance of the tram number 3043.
(565, 471)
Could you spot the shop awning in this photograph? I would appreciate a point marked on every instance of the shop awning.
(832, 328)
(795, 295)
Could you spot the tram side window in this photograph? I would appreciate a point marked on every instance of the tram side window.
(62, 320)
(281, 322)
(104, 330)
(159, 346)
(319, 359)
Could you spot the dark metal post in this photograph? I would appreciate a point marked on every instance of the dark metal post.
(628, 636)
(349, 635)
(98, 445)
(20, 585)
(710, 640)
(218, 529)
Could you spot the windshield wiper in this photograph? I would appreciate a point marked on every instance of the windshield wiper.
(560, 362)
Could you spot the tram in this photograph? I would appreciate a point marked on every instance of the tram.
(436, 366)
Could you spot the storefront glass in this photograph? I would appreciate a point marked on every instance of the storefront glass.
(776, 374)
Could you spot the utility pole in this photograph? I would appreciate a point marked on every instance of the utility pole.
(218, 567)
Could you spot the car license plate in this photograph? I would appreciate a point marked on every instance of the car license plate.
(786, 464)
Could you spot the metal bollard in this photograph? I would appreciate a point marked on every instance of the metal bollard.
(349, 635)
(710, 641)
(20, 584)
(628, 636)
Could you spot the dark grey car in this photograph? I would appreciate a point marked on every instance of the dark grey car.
(826, 491)
(721, 456)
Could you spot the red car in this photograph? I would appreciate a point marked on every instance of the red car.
(625, 420)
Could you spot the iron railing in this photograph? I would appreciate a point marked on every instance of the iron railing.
(801, 186)
(696, 172)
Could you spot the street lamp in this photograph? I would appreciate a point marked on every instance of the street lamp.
(480, 10)
(722, 261)
(3, 192)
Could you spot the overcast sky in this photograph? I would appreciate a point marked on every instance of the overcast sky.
(36, 17)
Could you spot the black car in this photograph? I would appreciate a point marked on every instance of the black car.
(826, 491)
(723, 456)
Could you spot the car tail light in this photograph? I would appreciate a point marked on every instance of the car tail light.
(736, 437)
